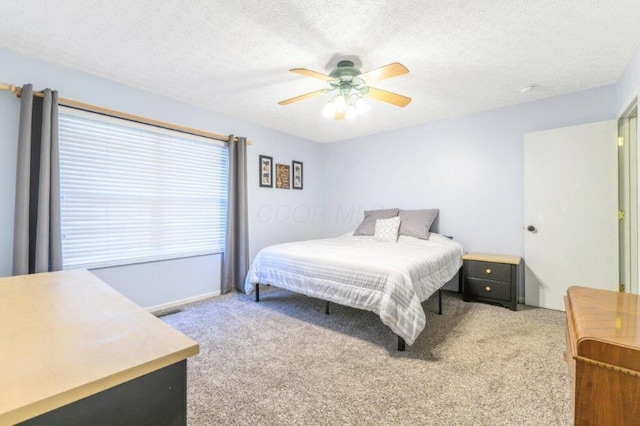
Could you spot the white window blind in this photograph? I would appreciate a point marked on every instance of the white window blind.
(134, 193)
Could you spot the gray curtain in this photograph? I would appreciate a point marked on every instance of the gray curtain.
(236, 254)
(37, 239)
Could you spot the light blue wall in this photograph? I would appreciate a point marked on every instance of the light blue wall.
(471, 168)
(188, 278)
(627, 86)
(9, 114)
(281, 215)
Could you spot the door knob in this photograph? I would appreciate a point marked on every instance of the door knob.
(531, 228)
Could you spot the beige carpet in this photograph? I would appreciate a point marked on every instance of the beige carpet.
(283, 361)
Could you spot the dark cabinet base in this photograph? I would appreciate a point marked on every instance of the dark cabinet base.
(491, 281)
(158, 398)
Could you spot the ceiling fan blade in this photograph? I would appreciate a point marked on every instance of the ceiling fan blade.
(388, 97)
(302, 97)
(340, 115)
(309, 73)
(392, 70)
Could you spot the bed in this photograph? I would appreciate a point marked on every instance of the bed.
(388, 278)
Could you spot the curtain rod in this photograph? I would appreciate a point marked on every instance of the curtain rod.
(119, 114)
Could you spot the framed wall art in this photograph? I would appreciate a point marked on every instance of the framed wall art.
(266, 171)
(283, 176)
(297, 174)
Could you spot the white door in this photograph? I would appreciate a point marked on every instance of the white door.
(570, 211)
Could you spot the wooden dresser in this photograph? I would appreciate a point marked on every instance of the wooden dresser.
(603, 353)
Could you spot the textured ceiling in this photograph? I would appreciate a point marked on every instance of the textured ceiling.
(234, 56)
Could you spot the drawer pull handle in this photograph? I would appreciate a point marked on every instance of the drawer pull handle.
(488, 271)
(487, 288)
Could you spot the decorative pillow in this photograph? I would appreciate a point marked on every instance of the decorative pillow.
(416, 223)
(387, 229)
(368, 225)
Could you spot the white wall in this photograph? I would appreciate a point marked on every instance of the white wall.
(471, 168)
(158, 283)
(629, 83)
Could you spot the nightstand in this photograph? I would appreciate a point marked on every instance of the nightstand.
(492, 278)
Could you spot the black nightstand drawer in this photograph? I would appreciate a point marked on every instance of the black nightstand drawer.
(489, 289)
(492, 278)
(488, 270)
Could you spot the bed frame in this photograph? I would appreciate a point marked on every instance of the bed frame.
(401, 343)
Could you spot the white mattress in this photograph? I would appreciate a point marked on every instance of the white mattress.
(390, 279)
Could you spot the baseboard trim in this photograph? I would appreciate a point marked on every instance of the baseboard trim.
(181, 302)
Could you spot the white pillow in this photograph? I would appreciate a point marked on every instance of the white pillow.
(387, 229)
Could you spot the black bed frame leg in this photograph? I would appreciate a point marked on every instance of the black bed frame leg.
(257, 292)
(401, 345)
(440, 302)
(326, 307)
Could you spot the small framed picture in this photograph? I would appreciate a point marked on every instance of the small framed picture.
(297, 174)
(283, 176)
(266, 171)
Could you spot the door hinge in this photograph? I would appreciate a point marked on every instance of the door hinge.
(621, 288)
(620, 140)
(620, 215)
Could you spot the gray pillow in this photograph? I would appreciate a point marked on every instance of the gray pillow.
(416, 223)
(368, 225)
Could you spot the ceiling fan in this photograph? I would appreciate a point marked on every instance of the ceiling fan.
(349, 86)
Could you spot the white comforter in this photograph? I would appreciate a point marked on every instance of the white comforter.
(390, 279)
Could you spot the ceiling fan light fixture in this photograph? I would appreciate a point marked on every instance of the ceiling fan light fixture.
(329, 110)
(339, 103)
(361, 105)
(351, 113)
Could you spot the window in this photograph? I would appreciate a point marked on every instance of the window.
(134, 193)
